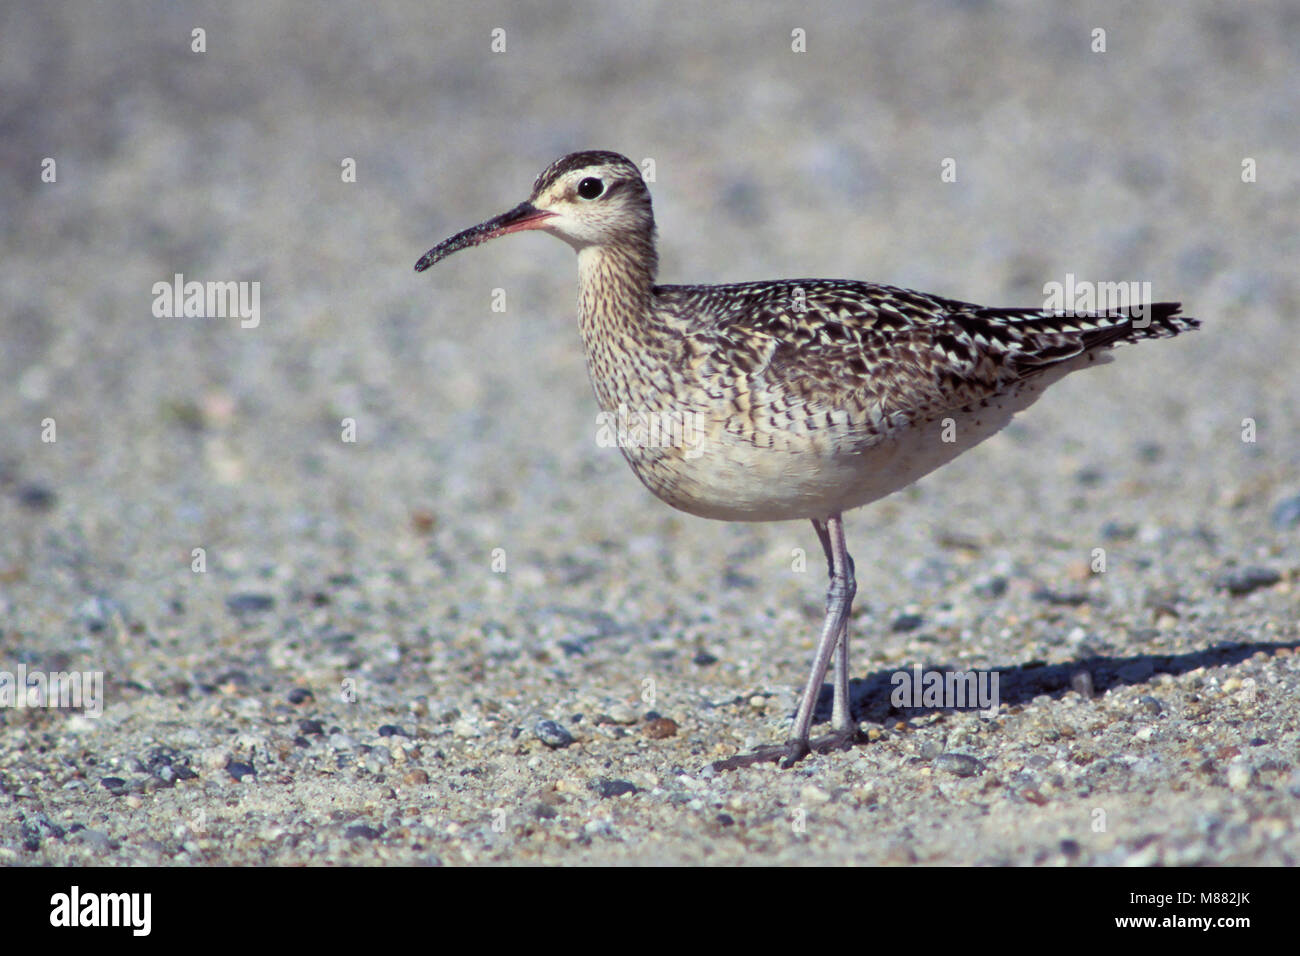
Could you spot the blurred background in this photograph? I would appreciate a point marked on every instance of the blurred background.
(786, 142)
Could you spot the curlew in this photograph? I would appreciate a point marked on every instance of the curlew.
(797, 398)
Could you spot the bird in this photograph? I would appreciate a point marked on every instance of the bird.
(791, 399)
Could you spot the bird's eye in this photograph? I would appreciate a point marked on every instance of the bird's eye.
(590, 188)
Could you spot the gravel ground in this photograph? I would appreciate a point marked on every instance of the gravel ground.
(470, 636)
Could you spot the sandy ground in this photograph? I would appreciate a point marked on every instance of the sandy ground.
(316, 650)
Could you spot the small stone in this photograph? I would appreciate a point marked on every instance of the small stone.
(249, 603)
(1243, 581)
(623, 714)
(416, 777)
(300, 695)
(1241, 775)
(96, 838)
(1051, 596)
(392, 730)
(98, 611)
(36, 497)
(1081, 683)
(307, 726)
(1286, 514)
(725, 819)
(814, 794)
(360, 831)
(240, 770)
(661, 728)
(905, 623)
(114, 785)
(1149, 452)
(342, 741)
(606, 788)
(1070, 848)
(552, 734)
(1090, 476)
(464, 729)
(704, 659)
(1118, 531)
(423, 521)
(961, 765)
(991, 587)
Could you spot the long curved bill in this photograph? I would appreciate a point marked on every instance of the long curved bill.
(524, 216)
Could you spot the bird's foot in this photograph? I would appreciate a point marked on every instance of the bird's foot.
(793, 750)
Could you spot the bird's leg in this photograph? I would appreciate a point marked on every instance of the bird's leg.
(844, 729)
(834, 641)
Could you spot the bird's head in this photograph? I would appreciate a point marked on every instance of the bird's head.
(592, 198)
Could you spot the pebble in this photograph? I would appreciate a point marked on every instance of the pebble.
(392, 730)
(342, 741)
(96, 613)
(1118, 531)
(814, 794)
(661, 728)
(961, 765)
(249, 602)
(36, 497)
(360, 831)
(1243, 581)
(1150, 704)
(96, 838)
(906, 623)
(606, 788)
(552, 734)
(623, 714)
(704, 659)
(1241, 775)
(1051, 596)
(307, 726)
(240, 770)
(300, 695)
(991, 587)
(1286, 514)
(416, 777)
(114, 785)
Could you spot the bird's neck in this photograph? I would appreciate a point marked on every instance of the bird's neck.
(616, 282)
(617, 317)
